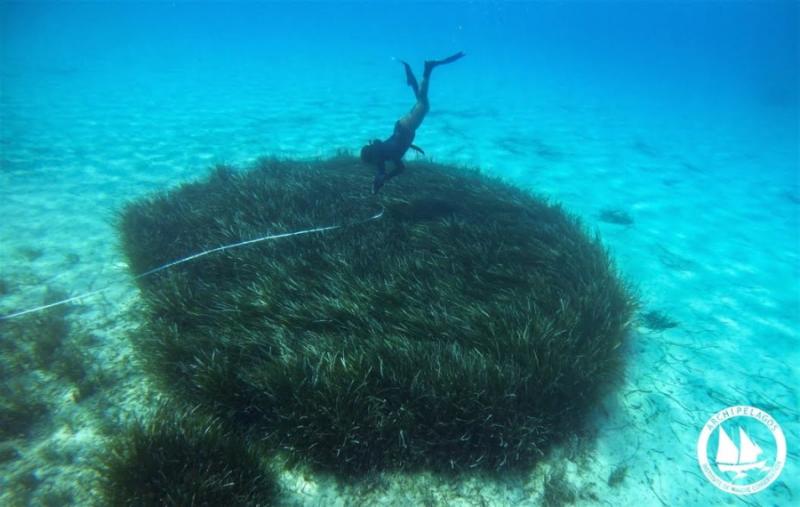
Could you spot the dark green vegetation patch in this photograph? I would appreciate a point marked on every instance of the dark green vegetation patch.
(471, 326)
(183, 459)
(658, 320)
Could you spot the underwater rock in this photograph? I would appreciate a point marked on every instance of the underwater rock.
(617, 476)
(523, 146)
(658, 321)
(792, 196)
(673, 261)
(645, 148)
(29, 253)
(470, 327)
(615, 216)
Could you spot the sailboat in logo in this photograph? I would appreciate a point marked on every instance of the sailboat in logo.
(739, 460)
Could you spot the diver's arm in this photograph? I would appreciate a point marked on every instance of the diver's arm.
(399, 167)
(380, 177)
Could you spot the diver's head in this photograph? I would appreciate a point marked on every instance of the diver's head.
(369, 153)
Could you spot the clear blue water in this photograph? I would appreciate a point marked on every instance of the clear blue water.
(682, 114)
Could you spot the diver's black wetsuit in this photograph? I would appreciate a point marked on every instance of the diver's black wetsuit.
(392, 149)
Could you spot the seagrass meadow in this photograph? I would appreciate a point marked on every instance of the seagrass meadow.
(470, 327)
(183, 458)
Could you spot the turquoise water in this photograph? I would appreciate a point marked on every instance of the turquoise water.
(680, 117)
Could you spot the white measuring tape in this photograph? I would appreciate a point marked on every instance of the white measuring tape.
(191, 258)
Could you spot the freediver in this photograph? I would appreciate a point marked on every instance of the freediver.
(379, 152)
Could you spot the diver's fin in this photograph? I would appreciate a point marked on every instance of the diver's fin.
(411, 80)
(431, 64)
(417, 149)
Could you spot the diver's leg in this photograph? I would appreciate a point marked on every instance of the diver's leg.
(414, 118)
(432, 64)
